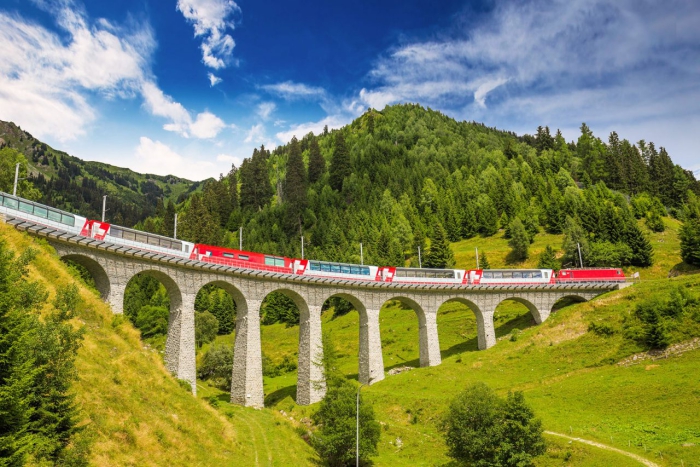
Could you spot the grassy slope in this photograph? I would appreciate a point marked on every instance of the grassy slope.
(563, 369)
(136, 412)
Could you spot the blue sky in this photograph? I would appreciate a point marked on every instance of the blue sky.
(191, 86)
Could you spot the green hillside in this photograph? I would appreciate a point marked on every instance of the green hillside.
(134, 412)
(571, 376)
(70, 183)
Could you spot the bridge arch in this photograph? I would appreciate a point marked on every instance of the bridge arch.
(482, 325)
(96, 271)
(565, 300)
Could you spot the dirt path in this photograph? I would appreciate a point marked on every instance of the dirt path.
(640, 459)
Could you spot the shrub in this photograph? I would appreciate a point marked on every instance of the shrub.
(152, 321)
(601, 329)
(482, 429)
(206, 327)
(217, 366)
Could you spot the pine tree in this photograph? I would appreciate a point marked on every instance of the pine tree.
(484, 261)
(256, 190)
(317, 164)
(340, 163)
(690, 241)
(440, 254)
(295, 186)
(642, 251)
(519, 241)
(548, 259)
(574, 235)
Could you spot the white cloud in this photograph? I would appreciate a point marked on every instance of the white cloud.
(256, 134)
(265, 109)
(555, 63)
(332, 121)
(158, 158)
(47, 81)
(211, 20)
(291, 91)
(485, 88)
(213, 79)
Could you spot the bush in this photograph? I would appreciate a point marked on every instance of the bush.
(482, 429)
(336, 418)
(152, 321)
(217, 366)
(206, 327)
(601, 329)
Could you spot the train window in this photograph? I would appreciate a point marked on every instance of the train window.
(364, 271)
(244, 257)
(315, 266)
(527, 275)
(54, 216)
(546, 275)
(26, 207)
(10, 203)
(279, 262)
(537, 275)
(459, 275)
(269, 261)
(126, 235)
(487, 275)
(345, 269)
(155, 241)
(325, 267)
(141, 238)
(228, 255)
(41, 212)
(187, 248)
(498, 275)
(335, 268)
(507, 275)
(67, 219)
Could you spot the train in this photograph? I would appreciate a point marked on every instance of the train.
(14, 206)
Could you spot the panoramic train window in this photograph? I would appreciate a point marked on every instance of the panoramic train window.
(229, 255)
(243, 257)
(273, 261)
(10, 203)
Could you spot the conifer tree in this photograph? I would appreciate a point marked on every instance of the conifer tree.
(295, 186)
(642, 251)
(519, 241)
(574, 235)
(440, 254)
(690, 240)
(317, 164)
(484, 261)
(548, 259)
(340, 163)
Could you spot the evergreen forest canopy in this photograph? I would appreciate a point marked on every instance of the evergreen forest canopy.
(395, 178)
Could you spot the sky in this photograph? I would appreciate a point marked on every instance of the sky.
(189, 87)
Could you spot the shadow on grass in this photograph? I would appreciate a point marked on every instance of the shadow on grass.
(466, 346)
(519, 322)
(682, 269)
(566, 301)
(282, 393)
(415, 363)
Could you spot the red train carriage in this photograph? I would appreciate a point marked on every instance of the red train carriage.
(242, 259)
(591, 275)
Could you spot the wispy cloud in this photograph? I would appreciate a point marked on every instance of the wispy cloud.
(47, 81)
(211, 20)
(213, 79)
(291, 91)
(265, 109)
(542, 54)
(256, 134)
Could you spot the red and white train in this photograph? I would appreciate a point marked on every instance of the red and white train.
(13, 206)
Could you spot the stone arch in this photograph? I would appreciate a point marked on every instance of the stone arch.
(537, 313)
(370, 364)
(180, 340)
(235, 293)
(310, 383)
(572, 297)
(484, 323)
(97, 272)
(427, 330)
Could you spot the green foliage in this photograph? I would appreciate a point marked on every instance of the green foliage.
(217, 366)
(295, 186)
(317, 164)
(440, 254)
(152, 321)
(548, 259)
(272, 370)
(206, 327)
(219, 303)
(278, 308)
(335, 439)
(655, 222)
(519, 240)
(37, 367)
(341, 166)
(485, 430)
(8, 159)
(690, 236)
(484, 261)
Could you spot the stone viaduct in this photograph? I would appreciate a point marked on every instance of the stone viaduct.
(113, 266)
